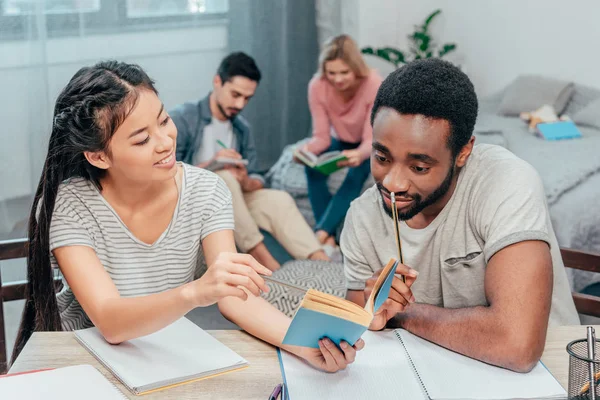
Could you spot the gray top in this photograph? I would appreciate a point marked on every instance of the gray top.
(82, 217)
(498, 201)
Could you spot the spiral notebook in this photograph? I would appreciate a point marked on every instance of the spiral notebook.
(397, 364)
(177, 354)
(69, 383)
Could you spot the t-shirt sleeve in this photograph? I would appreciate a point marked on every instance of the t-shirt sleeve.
(219, 215)
(68, 229)
(356, 267)
(511, 207)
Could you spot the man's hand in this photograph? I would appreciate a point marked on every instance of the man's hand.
(251, 184)
(239, 172)
(353, 159)
(399, 298)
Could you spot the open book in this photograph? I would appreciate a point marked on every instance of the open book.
(324, 315)
(177, 354)
(325, 163)
(69, 383)
(220, 163)
(399, 365)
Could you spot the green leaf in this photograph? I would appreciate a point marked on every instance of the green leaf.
(430, 18)
(448, 47)
(367, 50)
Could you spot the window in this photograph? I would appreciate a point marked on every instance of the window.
(23, 19)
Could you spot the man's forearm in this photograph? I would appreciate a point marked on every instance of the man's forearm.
(476, 332)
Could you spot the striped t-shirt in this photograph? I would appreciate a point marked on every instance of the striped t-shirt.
(82, 217)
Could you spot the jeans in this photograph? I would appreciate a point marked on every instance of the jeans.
(330, 211)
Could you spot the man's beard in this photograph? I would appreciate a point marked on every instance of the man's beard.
(418, 204)
(225, 113)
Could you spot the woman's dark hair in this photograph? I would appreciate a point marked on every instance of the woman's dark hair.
(87, 113)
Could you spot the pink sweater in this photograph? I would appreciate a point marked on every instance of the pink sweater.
(351, 120)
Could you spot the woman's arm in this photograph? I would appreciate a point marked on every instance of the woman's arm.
(123, 318)
(321, 124)
(259, 318)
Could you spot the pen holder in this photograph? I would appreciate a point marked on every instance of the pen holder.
(579, 370)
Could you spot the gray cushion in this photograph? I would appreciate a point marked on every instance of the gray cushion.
(530, 92)
(589, 116)
(583, 96)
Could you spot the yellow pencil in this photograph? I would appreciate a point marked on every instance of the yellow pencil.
(397, 231)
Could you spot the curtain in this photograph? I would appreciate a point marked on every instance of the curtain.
(281, 35)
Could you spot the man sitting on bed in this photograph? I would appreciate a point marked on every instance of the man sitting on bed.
(474, 224)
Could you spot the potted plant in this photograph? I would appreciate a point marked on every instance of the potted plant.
(421, 46)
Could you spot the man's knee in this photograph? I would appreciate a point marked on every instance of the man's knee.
(279, 198)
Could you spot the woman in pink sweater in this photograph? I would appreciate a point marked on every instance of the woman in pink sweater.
(340, 97)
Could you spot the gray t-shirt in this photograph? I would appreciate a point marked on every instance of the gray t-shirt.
(82, 217)
(498, 201)
(216, 130)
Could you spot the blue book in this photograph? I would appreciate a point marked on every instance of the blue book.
(558, 130)
(323, 315)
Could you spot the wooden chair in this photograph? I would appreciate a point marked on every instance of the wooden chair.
(586, 304)
(9, 250)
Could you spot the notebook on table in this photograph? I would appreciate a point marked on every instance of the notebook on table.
(399, 365)
(177, 354)
(69, 383)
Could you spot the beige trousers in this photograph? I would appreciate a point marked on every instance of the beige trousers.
(274, 211)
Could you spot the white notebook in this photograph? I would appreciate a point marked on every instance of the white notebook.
(69, 383)
(398, 364)
(180, 353)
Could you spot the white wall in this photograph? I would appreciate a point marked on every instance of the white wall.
(182, 62)
(497, 39)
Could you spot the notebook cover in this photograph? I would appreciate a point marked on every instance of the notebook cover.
(330, 166)
(309, 326)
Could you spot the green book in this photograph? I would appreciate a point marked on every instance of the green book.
(326, 163)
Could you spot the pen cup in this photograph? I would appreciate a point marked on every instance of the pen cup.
(579, 370)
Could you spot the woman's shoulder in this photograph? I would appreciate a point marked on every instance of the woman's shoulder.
(202, 182)
(373, 80)
(317, 84)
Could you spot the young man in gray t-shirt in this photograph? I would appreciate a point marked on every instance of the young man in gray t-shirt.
(474, 225)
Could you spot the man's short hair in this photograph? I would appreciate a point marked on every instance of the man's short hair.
(238, 64)
(434, 88)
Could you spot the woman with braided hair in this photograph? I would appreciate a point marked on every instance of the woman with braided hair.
(140, 239)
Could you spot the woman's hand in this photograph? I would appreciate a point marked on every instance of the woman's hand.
(330, 358)
(353, 159)
(231, 274)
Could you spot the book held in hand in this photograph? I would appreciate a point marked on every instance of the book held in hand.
(177, 354)
(323, 315)
(326, 163)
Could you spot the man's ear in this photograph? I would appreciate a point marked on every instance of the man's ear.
(217, 82)
(98, 159)
(465, 152)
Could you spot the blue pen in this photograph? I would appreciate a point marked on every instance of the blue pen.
(276, 392)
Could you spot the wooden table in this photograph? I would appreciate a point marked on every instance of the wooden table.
(60, 349)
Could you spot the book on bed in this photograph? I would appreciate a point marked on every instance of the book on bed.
(323, 315)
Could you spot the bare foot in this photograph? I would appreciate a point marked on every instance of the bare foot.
(331, 241)
(263, 256)
(319, 255)
(322, 236)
